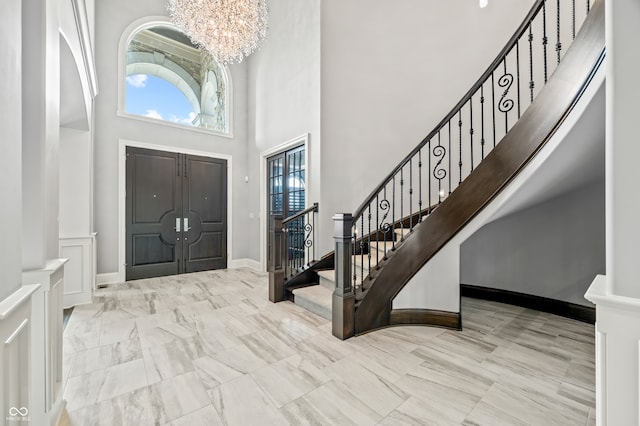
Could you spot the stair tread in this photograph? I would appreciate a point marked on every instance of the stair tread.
(316, 299)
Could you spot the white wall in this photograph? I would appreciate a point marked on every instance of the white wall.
(553, 249)
(75, 183)
(112, 19)
(284, 96)
(390, 71)
(10, 123)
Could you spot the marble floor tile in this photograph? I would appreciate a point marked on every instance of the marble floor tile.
(528, 408)
(242, 402)
(446, 405)
(288, 379)
(105, 356)
(193, 349)
(372, 383)
(165, 361)
(82, 335)
(132, 408)
(330, 404)
(240, 358)
(116, 331)
(267, 346)
(163, 334)
(206, 416)
(176, 397)
(213, 373)
(82, 391)
(412, 412)
(123, 378)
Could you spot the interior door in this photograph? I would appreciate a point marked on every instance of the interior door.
(204, 214)
(153, 203)
(176, 213)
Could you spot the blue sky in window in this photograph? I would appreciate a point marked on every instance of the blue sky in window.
(154, 97)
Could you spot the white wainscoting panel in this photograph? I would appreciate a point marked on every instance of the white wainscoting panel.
(79, 275)
(46, 342)
(15, 333)
(617, 356)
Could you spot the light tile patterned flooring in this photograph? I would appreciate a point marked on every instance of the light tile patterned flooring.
(210, 349)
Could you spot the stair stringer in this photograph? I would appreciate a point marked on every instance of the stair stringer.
(537, 126)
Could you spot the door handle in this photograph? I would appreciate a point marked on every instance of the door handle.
(186, 224)
(177, 228)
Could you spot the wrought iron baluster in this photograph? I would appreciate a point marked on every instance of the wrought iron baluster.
(377, 230)
(544, 38)
(369, 239)
(588, 6)
(573, 19)
(401, 204)
(558, 43)
(384, 205)
(470, 129)
(393, 215)
(532, 84)
(482, 121)
(518, 73)
(354, 233)
(430, 187)
(449, 156)
(411, 194)
(460, 146)
(420, 185)
(361, 251)
(493, 103)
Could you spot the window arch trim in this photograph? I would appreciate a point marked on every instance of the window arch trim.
(125, 40)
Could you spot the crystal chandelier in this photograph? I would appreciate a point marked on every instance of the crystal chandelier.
(228, 29)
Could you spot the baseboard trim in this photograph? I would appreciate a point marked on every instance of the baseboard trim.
(544, 304)
(428, 317)
(109, 278)
(245, 263)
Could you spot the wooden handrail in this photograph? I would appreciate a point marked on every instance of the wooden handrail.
(313, 208)
(450, 116)
(536, 127)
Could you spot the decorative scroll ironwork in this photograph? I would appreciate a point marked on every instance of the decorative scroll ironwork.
(439, 173)
(308, 241)
(385, 205)
(505, 82)
(487, 108)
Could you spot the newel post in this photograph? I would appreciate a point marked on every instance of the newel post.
(277, 255)
(343, 304)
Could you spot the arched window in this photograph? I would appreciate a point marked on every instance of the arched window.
(166, 77)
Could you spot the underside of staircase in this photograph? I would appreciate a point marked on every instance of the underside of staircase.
(385, 259)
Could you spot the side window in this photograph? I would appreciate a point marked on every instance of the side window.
(168, 78)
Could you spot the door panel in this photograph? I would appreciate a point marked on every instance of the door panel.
(286, 189)
(163, 187)
(205, 205)
(153, 202)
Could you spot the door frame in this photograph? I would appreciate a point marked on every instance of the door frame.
(122, 156)
(264, 155)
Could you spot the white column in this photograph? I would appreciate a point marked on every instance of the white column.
(40, 135)
(617, 297)
(10, 123)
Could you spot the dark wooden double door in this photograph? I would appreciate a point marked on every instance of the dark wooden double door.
(176, 213)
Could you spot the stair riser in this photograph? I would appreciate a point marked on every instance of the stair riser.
(311, 306)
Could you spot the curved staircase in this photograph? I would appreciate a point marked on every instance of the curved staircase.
(491, 135)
